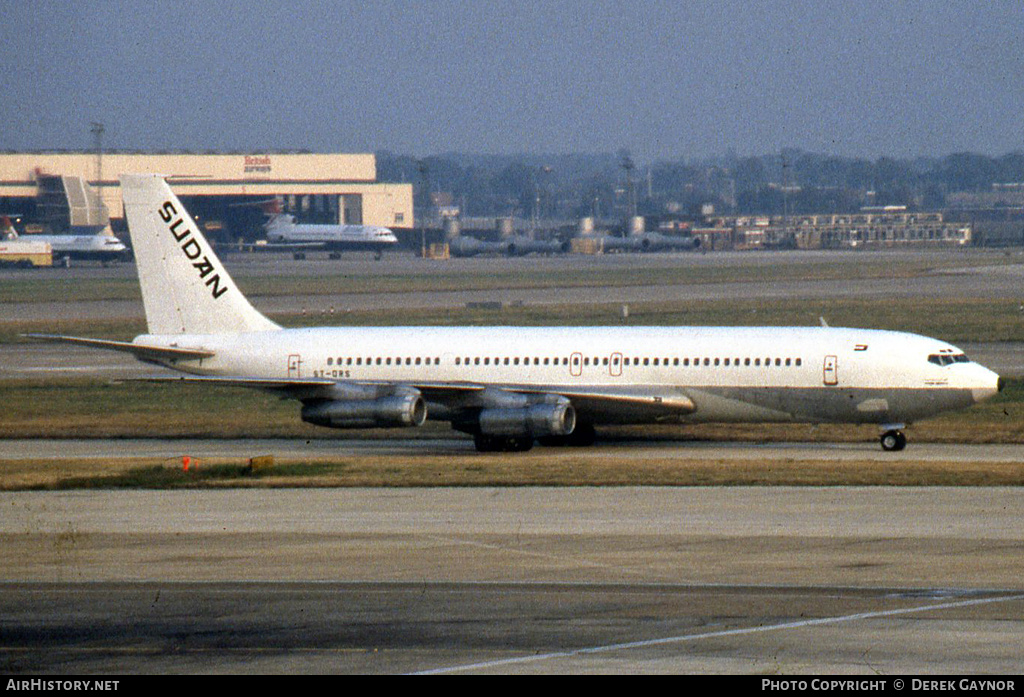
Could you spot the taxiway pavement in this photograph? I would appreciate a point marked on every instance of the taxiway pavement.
(872, 580)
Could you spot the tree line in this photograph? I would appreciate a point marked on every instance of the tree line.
(610, 184)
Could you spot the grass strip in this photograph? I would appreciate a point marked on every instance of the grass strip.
(539, 468)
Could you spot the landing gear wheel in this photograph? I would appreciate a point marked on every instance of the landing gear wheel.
(582, 436)
(519, 444)
(500, 444)
(485, 444)
(893, 441)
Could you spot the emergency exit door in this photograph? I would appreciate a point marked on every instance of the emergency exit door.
(831, 370)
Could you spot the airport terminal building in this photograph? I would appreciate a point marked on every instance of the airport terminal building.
(225, 192)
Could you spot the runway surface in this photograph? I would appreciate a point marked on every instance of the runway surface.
(780, 580)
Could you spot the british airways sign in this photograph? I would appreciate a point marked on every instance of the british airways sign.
(257, 163)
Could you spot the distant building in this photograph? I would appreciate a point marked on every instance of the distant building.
(216, 186)
(878, 227)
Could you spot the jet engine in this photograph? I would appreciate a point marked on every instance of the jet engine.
(536, 420)
(397, 410)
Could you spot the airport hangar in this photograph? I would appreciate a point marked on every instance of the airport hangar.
(215, 187)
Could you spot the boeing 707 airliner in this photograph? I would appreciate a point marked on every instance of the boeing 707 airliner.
(512, 386)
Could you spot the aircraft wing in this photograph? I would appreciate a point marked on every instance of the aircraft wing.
(141, 351)
(653, 402)
(625, 404)
(285, 384)
(660, 400)
(296, 388)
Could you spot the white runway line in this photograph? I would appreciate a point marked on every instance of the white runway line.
(536, 658)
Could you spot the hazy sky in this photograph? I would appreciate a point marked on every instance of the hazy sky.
(665, 79)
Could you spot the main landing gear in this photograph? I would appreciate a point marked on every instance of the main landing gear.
(893, 440)
(582, 436)
(502, 444)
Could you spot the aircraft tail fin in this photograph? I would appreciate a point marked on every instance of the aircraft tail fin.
(185, 288)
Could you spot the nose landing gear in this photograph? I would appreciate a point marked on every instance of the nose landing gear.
(893, 440)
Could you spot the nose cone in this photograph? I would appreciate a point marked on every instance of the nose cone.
(986, 385)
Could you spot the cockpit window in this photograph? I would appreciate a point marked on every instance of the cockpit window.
(944, 359)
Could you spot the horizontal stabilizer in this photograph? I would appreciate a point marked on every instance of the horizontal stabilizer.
(141, 351)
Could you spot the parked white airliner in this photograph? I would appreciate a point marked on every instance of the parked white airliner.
(284, 232)
(510, 386)
(101, 246)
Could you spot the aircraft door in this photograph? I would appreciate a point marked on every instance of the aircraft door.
(615, 365)
(576, 364)
(294, 366)
(831, 370)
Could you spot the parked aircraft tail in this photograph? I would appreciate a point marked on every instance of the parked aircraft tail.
(185, 288)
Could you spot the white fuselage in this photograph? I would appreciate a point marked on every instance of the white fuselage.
(718, 373)
(99, 246)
